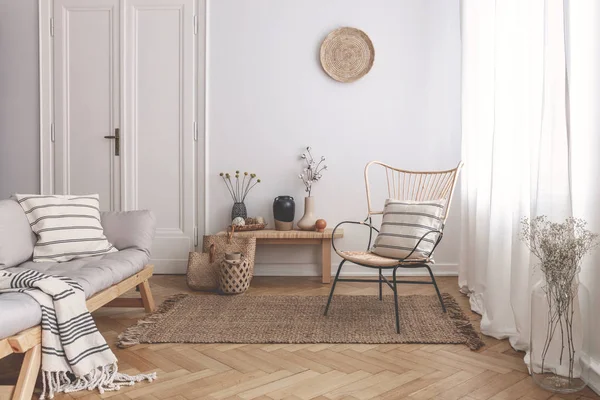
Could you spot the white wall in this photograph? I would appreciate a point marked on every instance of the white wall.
(268, 98)
(19, 97)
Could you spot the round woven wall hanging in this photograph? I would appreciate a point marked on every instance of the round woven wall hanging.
(347, 54)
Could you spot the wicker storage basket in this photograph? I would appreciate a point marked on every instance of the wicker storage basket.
(229, 243)
(235, 276)
(203, 273)
(245, 228)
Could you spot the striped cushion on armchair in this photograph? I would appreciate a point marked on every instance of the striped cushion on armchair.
(404, 223)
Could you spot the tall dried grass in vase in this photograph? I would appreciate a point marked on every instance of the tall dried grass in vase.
(239, 189)
(560, 248)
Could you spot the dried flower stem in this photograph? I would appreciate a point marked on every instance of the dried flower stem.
(248, 189)
(239, 190)
(312, 172)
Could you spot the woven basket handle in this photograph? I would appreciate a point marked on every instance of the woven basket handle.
(211, 253)
(230, 232)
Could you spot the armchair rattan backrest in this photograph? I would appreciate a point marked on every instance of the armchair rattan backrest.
(414, 185)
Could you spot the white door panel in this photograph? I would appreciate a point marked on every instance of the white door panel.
(86, 102)
(158, 119)
(129, 64)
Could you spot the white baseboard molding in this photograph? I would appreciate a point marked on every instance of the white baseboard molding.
(169, 267)
(348, 270)
(300, 269)
(594, 373)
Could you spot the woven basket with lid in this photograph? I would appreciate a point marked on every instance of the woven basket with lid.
(235, 276)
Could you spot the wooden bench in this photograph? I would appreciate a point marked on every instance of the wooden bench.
(30, 340)
(322, 239)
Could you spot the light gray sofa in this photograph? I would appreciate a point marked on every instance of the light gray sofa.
(130, 232)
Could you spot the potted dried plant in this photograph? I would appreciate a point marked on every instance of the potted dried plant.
(311, 173)
(556, 332)
(239, 189)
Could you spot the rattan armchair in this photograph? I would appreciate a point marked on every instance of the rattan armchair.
(401, 185)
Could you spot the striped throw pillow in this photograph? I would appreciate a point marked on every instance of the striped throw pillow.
(67, 227)
(404, 223)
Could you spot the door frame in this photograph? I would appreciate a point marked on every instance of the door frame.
(46, 95)
(46, 59)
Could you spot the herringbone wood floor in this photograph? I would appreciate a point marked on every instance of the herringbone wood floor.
(313, 371)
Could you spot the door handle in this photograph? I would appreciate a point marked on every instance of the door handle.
(117, 137)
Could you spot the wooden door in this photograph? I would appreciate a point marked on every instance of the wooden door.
(159, 145)
(86, 99)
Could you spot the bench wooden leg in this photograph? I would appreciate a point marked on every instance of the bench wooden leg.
(147, 298)
(28, 374)
(326, 260)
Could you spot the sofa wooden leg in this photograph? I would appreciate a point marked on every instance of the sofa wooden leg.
(6, 391)
(147, 298)
(28, 374)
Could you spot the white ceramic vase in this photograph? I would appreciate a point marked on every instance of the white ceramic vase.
(308, 220)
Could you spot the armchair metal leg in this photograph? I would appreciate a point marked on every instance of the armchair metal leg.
(396, 302)
(337, 275)
(436, 288)
(380, 282)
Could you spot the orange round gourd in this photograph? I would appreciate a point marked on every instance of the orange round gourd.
(320, 225)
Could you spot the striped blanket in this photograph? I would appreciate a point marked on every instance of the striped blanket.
(75, 356)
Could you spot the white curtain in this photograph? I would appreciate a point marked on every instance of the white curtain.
(515, 149)
(584, 94)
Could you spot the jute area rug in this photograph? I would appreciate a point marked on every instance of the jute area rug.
(299, 319)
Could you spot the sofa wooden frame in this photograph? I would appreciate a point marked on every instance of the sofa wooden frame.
(29, 340)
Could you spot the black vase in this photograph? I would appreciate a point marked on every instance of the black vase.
(238, 210)
(283, 212)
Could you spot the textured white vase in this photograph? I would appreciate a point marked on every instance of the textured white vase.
(308, 220)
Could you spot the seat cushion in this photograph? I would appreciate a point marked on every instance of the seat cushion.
(374, 260)
(18, 311)
(94, 274)
(16, 238)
